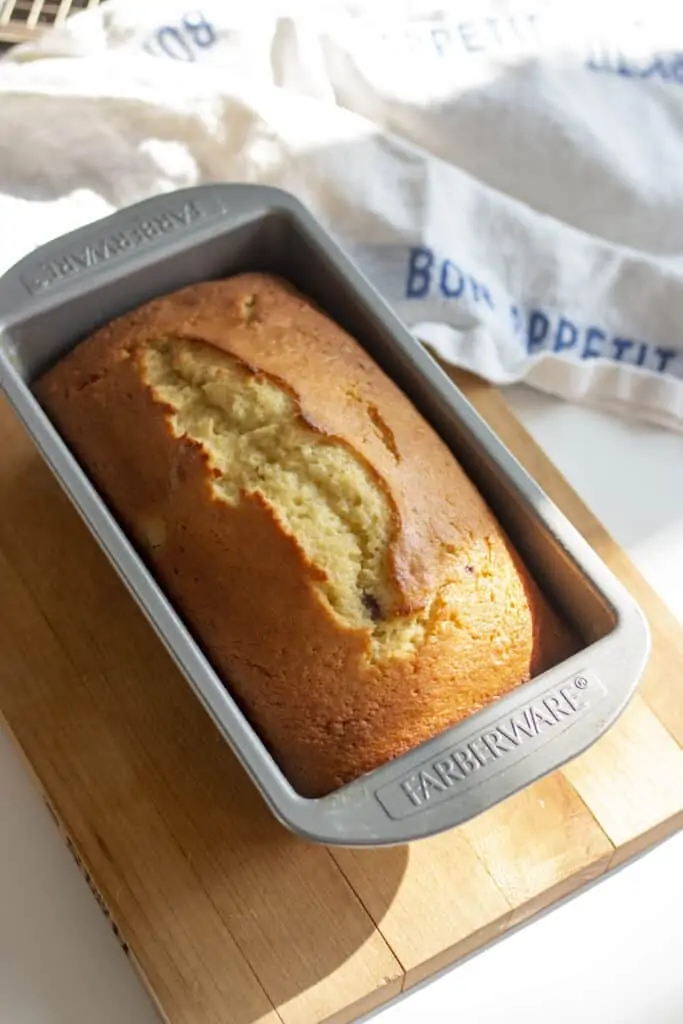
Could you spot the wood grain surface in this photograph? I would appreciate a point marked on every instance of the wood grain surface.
(226, 916)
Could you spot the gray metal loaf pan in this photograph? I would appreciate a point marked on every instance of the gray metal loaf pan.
(62, 292)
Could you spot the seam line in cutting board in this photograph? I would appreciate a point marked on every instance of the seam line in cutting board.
(602, 828)
(642, 690)
(664, 724)
(356, 895)
(651, 839)
(378, 924)
(247, 958)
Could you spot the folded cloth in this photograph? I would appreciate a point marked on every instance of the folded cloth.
(508, 177)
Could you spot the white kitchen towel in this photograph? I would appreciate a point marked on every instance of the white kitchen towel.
(509, 176)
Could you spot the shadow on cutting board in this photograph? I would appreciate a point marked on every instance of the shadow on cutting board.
(218, 903)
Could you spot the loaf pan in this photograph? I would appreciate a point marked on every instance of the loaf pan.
(65, 290)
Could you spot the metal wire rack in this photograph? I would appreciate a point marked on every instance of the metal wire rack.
(21, 20)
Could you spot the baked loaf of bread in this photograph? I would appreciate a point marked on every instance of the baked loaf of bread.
(337, 566)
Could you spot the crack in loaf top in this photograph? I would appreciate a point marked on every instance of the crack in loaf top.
(272, 329)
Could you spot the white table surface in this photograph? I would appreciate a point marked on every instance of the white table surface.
(613, 955)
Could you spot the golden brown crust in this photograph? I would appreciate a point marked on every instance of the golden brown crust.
(303, 676)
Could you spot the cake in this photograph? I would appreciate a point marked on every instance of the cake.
(338, 568)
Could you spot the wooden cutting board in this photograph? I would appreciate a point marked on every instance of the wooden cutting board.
(227, 917)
